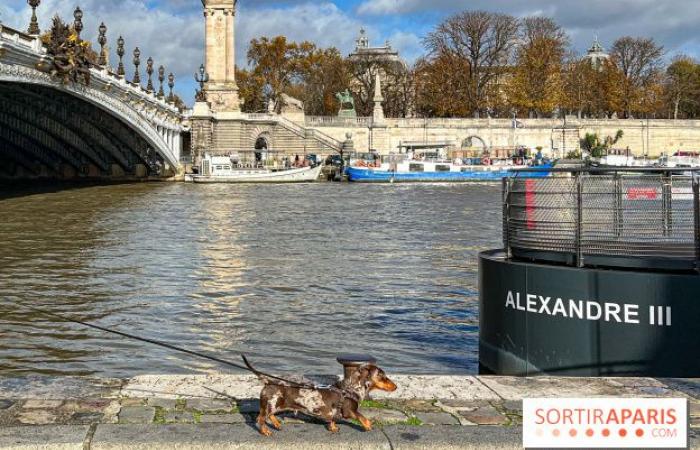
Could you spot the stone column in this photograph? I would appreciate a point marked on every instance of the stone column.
(378, 113)
(221, 90)
(379, 135)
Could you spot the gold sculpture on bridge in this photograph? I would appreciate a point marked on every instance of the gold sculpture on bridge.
(72, 57)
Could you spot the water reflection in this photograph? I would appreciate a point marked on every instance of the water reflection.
(292, 275)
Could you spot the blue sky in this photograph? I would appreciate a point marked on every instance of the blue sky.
(172, 30)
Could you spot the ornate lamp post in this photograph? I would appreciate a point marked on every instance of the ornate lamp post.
(34, 23)
(137, 63)
(102, 40)
(78, 23)
(149, 71)
(171, 85)
(161, 78)
(120, 53)
(201, 78)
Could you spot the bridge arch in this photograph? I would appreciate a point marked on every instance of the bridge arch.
(89, 130)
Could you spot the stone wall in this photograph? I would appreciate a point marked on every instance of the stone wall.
(643, 137)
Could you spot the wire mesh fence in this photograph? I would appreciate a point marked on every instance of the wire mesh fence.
(649, 219)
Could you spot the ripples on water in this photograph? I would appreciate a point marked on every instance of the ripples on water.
(291, 274)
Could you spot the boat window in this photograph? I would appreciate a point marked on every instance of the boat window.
(218, 167)
(227, 167)
(442, 168)
(416, 168)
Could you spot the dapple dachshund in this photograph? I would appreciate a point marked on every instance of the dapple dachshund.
(328, 403)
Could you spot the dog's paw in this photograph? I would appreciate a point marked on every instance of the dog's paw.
(266, 432)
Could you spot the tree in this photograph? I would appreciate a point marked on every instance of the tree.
(537, 85)
(475, 46)
(682, 85)
(276, 61)
(250, 90)
(639, 61)
(395, 78)
(592, 90)
(322, 73)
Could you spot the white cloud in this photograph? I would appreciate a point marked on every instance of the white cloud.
(672, 22)
(322, 23)
(388, 6)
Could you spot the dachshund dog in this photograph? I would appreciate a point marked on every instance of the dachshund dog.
(328, 403)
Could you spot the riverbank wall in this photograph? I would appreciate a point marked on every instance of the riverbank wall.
(217, 411)
(557, 137)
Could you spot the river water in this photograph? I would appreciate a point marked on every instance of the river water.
(290, 274)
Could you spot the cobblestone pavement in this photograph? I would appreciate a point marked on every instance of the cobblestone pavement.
(32, 410)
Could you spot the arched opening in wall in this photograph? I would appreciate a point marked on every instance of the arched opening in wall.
(473, 141)
(261, 146)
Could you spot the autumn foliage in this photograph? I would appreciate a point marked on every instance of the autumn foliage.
(480, 64)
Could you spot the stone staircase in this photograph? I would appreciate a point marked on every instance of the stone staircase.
(310, 133)
(286, 135)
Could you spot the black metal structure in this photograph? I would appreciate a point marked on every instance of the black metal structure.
(599, 276)
(629, 218)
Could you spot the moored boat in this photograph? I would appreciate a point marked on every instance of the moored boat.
(220, 169)
(410, 170)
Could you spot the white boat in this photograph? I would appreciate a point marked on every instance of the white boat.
(220, 169)
(682, 159)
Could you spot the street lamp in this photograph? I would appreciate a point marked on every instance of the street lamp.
(171, 85)
(120, 53)
(161, 79)
(201, 78)
(102, 40)
(34, 23)
(137, 63)
(78, 23)
(149, 71)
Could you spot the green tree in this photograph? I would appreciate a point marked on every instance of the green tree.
(683, 85)
(597, 148)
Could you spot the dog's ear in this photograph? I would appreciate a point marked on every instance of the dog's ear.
(365, 371)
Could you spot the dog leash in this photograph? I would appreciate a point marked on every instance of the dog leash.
(248, 367)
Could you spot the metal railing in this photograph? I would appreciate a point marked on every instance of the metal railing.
(635, 218)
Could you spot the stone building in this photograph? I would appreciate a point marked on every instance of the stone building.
(596, 54)
(219, 127)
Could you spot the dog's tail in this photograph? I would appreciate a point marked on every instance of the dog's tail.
(254, 370)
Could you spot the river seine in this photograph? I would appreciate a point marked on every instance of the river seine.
(290, 274)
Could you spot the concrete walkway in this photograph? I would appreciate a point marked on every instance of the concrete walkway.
(216, 412)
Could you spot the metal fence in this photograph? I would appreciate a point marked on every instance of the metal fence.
(623, 219)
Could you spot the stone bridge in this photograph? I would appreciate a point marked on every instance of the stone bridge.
(110, 128)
